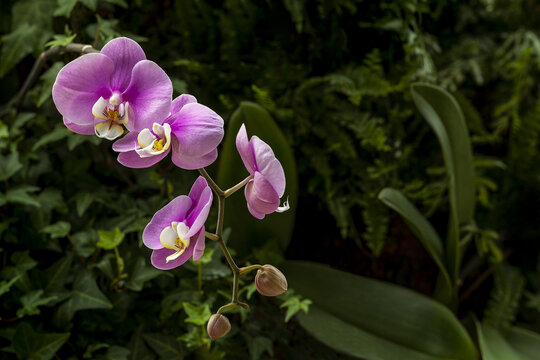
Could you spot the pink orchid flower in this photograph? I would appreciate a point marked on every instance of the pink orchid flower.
(193, 132)
(264, 190)
(99, 93)
(176, 232)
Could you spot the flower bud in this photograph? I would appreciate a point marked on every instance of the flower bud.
(270, 281)
(218, 326)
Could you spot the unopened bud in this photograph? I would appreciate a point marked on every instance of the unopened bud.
(218, 326)
(270, 281)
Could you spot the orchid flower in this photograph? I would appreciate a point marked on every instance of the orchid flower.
(176, 232)
(193, 132)
(267, 185)
(99, 93)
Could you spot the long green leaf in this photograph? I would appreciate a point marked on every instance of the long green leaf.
(525, 342)
(380, 318)
(445, 117)
(249, 232)
(421, 228)
(493, 346)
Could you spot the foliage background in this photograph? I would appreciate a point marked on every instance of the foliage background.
(335, 76)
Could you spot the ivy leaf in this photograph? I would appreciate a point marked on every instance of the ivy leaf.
(6, 285)
(31, 345)
(85, 242)
(20, 195)
(58, 273)
(58, 230)
(57, 134)
(165, 346)
(16, 46)
(141, 273)
(294, 305)
(108, 240)
(197, 315)
(259, 345)
(85, 295)
(65, 7)
(83, 201)
(195, 338)
(9, 165)
(32, 301)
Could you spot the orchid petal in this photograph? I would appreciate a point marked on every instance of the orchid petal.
(133, 160)
(80, 84)
(124, 53)
(179, 102)
(127, 143)
(175, 210)
(198, 250)
(260, 195)
(191, 163)
(268, 165)
(149, 95)
(198, 215)
(159, 258)
(79, 129)
(244, 149)
(198, 129)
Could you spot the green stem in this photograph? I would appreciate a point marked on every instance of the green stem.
(199, 277)
(248, 269)
(211, 182)
(238, 186)
(211, 236)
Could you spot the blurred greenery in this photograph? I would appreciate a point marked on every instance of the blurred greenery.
(335, 77)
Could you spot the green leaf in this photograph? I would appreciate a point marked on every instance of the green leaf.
(20, 195)
(116, 352)
(197, 315)
(9, 165)
(493, 346)
(165, 346)
(445, 117)
(57, 230)
(206, 258)
(16, 46)
(65, 7)
(248, 231)
(57, 274)
(30, 345)
(259, 345)
(6, 285)
(294, 304)
(55, 135)
(32, 301)
(422, 229)
(91, 4)
(85, 295)
(83, 201)
(525, 342)
(85, 242)
(375, 320)
(108, 240)
(140, 274)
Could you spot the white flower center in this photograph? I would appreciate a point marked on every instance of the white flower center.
(110, 116)
(174, 237)
(154, 142)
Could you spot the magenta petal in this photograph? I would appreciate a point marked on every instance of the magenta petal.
(80, 129)
(260, 195)
(180, 101)
(149, 95)
(198, 250)
(159, 257)
(175, 210)
(80, 84)
(199, 213)
(244, 149)
(197, 188)
(133, 160)
(268, 165)
(255, 214)
(124, 53)
(191, 163)
(198, 129)
(127, 143)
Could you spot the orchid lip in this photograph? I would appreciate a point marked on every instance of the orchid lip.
(174, 238)
(110, 116)
(154, 142)
(285, 206)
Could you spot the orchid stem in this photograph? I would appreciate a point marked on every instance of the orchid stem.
(238, 186)
(218, 236)
(211, 236)
(248, 269)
